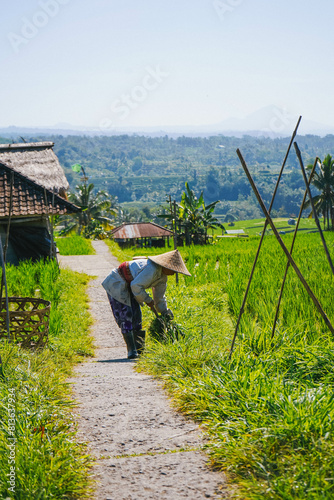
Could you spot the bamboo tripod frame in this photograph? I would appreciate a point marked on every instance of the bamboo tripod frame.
(280, 241)
(291, 249)
(262, 235)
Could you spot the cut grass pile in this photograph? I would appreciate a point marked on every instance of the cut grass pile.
(269, 412)
(74, 245)
(39, 457)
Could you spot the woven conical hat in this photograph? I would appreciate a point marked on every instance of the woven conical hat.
(171, 260)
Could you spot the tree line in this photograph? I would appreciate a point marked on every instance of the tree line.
(144, 170)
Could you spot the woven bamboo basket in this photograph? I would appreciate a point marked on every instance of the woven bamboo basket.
(28, 321)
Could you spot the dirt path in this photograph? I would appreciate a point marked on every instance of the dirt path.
(144, 449)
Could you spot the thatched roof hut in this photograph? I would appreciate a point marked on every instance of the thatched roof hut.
(29, 199)
(38, 162)
(32, 187)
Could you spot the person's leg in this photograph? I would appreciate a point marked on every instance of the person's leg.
(138, 333)
(123, 315)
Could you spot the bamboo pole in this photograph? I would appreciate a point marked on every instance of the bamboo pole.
(291, 249)
(285, 250)
(6, 289)
(53, 249)
(175, 225)
(172, 214)
(171, 208)
(10, 214)
(263, 232)
(175, 240)
(315, 215)
(7, 232)
(48, 223)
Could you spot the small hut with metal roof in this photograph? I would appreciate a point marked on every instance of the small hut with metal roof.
(32, 189)
(142, 234)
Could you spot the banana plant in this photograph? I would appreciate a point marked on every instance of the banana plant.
(323, 181)
(194, 216)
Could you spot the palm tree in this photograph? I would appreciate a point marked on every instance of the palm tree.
(96, 210)
(324, 182)
(132, 215)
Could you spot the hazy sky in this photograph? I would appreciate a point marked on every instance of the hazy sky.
(106, 63)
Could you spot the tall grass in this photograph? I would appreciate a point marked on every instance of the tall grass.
(75, 245)
(269, 412)
(121, 255)
(49, 463)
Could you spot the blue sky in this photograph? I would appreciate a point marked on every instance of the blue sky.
(119, 63)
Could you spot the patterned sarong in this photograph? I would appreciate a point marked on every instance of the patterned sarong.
(127, 318)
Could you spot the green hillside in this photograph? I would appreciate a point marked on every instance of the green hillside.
(145, 169)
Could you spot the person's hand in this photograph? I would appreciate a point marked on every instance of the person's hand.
(168, 314)
(150, 304)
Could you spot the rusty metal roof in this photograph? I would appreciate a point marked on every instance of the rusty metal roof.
(140, 230)
(29, 198)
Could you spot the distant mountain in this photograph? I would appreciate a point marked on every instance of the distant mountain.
(270, 121)
(13, 132)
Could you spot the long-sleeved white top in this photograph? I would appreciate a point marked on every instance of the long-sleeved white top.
(146, 274)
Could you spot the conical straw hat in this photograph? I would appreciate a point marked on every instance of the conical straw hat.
(171, 260)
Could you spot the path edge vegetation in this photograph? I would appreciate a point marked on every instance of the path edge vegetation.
(240, 405)
(50, 462)
(268, 415)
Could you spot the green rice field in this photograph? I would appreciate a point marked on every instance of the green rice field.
(254, 227)
(74, 245)
(269, 411)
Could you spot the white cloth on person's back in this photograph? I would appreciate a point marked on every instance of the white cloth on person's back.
(146, 274)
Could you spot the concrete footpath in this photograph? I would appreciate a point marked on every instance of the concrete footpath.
(144, 448)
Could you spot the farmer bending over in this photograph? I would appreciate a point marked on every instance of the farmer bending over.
(126, 289)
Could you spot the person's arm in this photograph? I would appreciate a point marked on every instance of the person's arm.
(144, 280)
(159, 296)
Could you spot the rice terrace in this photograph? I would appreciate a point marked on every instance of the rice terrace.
(267, 412)
(244, 349)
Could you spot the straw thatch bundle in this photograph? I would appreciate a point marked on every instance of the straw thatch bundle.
(38, 162)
